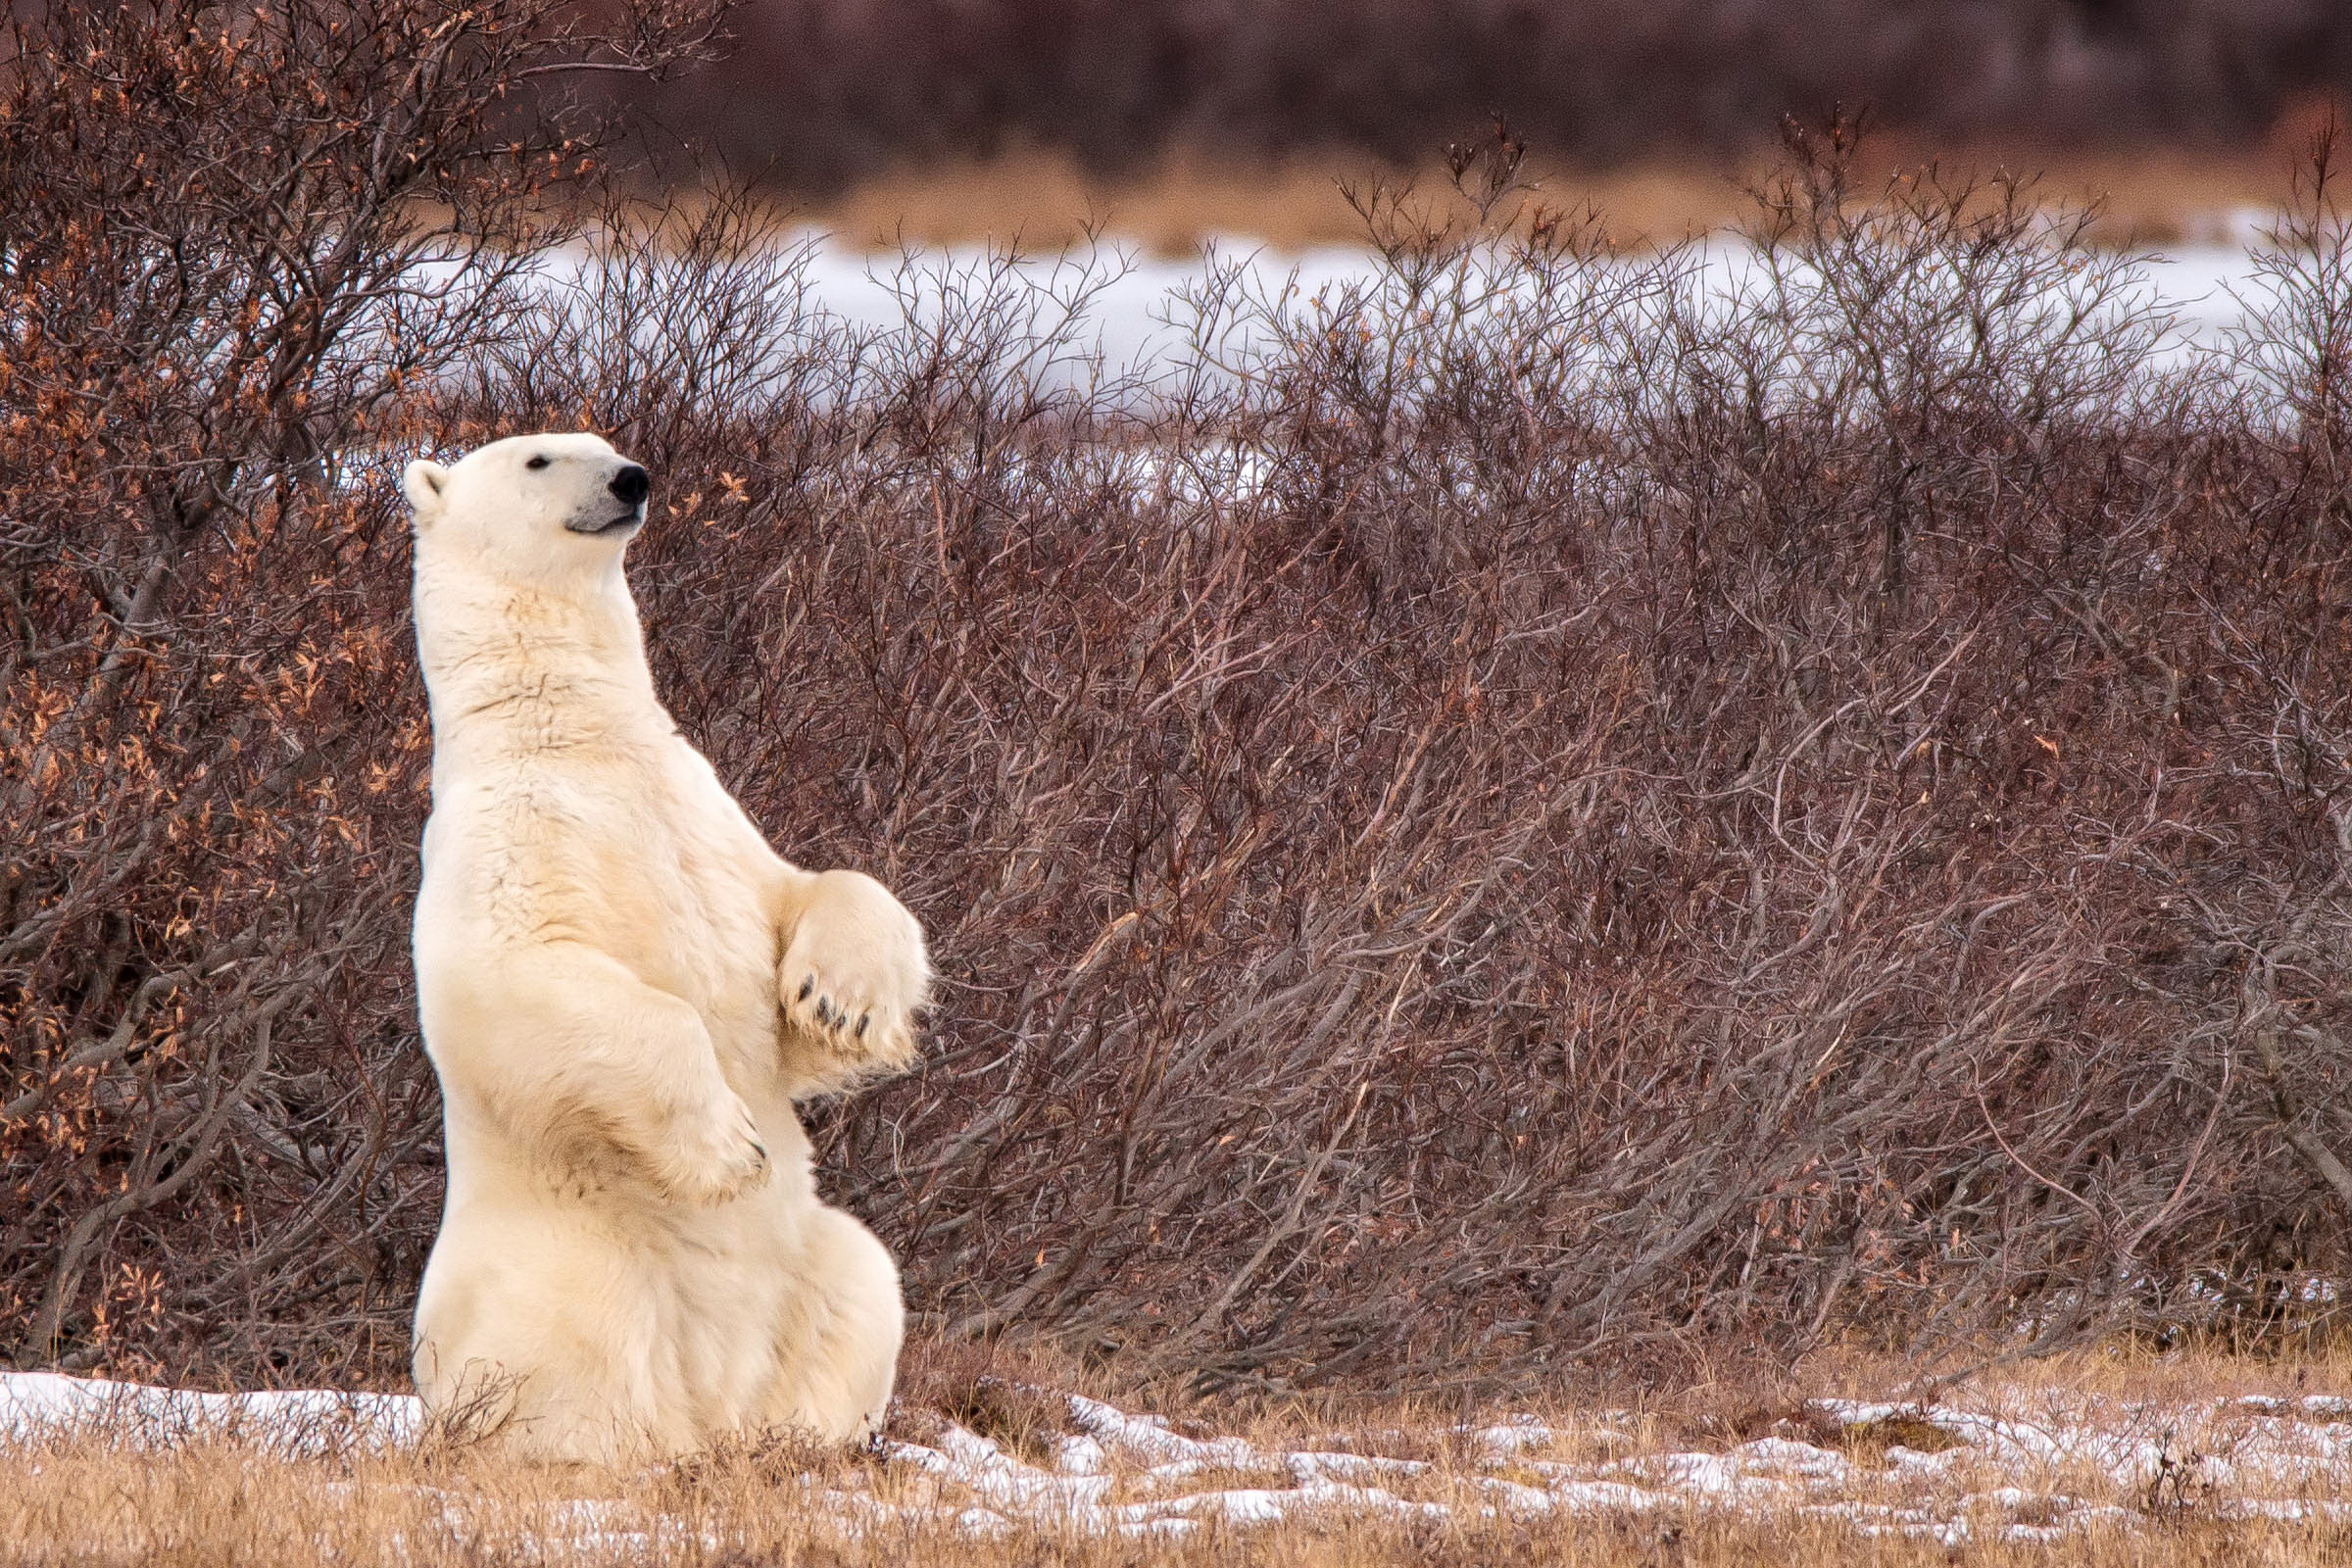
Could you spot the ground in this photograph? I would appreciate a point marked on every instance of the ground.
(2107, 1459)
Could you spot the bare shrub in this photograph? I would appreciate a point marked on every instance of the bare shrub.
(1545, 808)
(235, 244)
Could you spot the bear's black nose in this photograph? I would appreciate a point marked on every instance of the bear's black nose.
(630, 485)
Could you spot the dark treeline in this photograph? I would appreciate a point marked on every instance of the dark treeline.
(819, 91)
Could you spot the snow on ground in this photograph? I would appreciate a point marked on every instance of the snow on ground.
(1134, 310)
(1135, 304)
(293, 1421)
(1996, 1465)
(1134, 301)
(1113, 312)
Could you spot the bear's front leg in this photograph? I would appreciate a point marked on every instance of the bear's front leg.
(572, 1053)
(852, 978)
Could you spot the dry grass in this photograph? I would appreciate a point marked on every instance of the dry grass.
(226, 1502)
(1044, 198)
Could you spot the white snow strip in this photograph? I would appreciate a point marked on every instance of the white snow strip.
(1318, 1464)
(42, 1404)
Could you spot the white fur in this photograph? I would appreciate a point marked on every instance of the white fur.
(623, 991)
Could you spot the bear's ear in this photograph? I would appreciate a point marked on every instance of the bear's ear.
(423, 482)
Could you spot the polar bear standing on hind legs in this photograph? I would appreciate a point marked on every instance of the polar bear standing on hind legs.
(623, 991)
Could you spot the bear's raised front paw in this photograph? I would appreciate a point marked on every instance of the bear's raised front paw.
(719, 1155)
(855, 974)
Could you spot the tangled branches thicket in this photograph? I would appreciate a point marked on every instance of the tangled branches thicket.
(1546, 808)
(236, 245)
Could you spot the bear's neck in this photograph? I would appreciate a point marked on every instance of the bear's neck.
(519, 665)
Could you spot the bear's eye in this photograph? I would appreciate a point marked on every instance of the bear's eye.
(536, 462)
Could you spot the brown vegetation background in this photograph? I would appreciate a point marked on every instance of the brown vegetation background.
(1530, 814)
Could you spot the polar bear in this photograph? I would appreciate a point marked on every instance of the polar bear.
(623, 991)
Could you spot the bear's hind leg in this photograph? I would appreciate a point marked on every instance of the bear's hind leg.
(544, 1348)
(540, 1414)
(838, 1349)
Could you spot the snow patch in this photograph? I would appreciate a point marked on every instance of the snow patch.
(297, 1421)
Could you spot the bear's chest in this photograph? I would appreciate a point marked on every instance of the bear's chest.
(709, 935)
(632, 850)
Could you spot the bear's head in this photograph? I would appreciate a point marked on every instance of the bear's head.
(530, 506)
